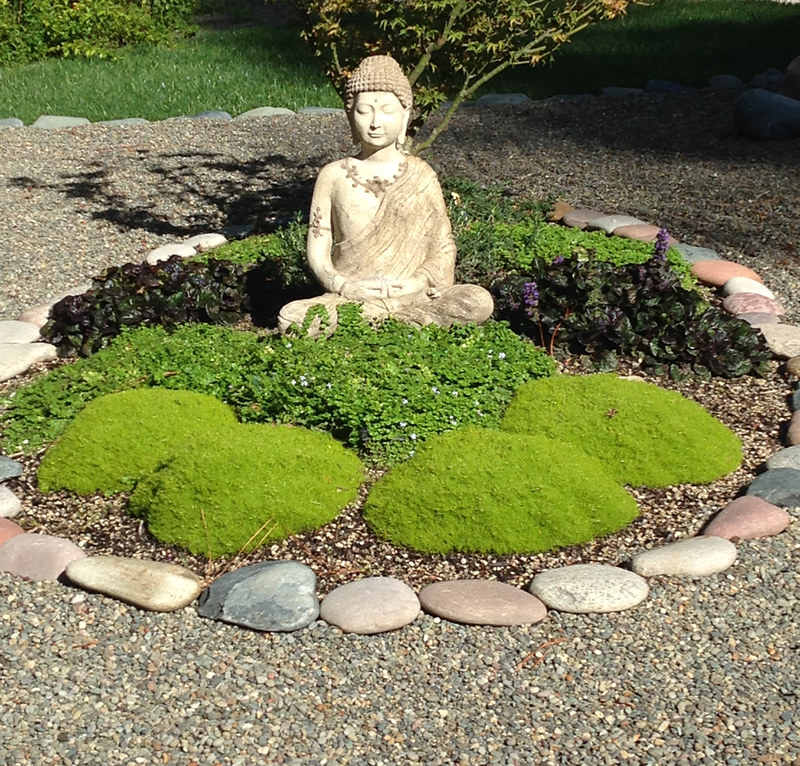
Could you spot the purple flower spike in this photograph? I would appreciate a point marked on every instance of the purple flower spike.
(661, 246)
(530, 297)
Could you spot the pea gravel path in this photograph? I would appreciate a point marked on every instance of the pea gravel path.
(702, 672)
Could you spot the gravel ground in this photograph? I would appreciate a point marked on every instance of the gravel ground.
(702, 672)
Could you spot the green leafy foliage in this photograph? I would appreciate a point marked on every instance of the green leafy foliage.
(449, 48)
(643, 434)
(484, 491)
(169, 293)
(382, 390)
(119, 438)
(586, 305)
(35, 29)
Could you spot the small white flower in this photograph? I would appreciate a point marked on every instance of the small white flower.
(405, 401)
(502, 355)
(403, 425)
(413, 437)
(294, 382)
(455, 393)
(434, 389)
(329, 385)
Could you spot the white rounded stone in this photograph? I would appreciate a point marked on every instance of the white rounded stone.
(608, 223)
(15, 331)
(204, 242)
(10, 504)
(783, 339)
(371, 605)
(16, 358)
(167, 251)
(264, 111)
(746, 285)
(695, 557)
(587, 588)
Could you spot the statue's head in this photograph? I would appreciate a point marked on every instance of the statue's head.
(378, 101)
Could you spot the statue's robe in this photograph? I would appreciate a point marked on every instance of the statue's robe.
(410, 236)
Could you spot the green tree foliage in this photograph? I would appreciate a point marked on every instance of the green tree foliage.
(449, 48)
(35, 29)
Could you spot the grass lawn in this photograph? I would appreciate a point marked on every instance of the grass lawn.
(238, 69)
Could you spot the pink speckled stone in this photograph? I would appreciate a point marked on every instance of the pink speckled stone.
(752, 303)
(9, 529)
(747, 518)
(717, 273)
(481, 602)
(38, 557)
(643, 232)
(580, 217)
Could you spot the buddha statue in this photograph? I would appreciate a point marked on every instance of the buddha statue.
(379, 234)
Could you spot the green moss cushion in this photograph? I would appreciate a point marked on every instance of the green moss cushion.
(477, 490)
(117, 439)
(646, 435)
(213, 497)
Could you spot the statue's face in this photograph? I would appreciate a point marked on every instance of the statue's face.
(378, 119)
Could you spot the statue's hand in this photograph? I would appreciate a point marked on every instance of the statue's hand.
(399, 287)
(364, 289)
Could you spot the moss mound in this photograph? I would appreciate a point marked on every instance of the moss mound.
(213, 497)
(645, 435)
(117, 439)
(483, 491)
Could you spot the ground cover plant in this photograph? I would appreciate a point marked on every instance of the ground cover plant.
(478, 490)
(238, 69)
(643, 435)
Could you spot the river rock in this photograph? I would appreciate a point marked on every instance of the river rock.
(748, 518)
(560, 209)
(9, 468)
(717, 273)
(695, 557)
(580, 217)
(693, 253)
(769, 78)
(657, 85)
(165, 252)
(793, 431)
(14, 331)
(481, 602)
(11, 122)
(10, 504)
(204, 242)
(56, 121)
(264, 111)
(610, 223)
(9, 529)
(586, 588)
(503, 99)
(757, 319)
(780, 486)
(154, 585)
(371, 605)
(617, 91)
(725, 82)
(791, 80)
(40, 313)
(16, 358)
(793, 367)
(270, 596)
(783, 339)
(38, 557)
(789, 457)
(763, 114)
(642, 232)
(213, 114)
(123, 122)
(746, 285)
(752, 303)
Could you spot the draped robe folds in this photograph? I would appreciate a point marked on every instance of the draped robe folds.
(410, 236)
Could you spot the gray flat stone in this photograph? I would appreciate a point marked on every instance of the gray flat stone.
(695, 557)
(481, 602)
(321, 110)
(615, 91)
(212, 114)
(16, 358)
(737, 285)
(795, 400)
(748, 518)
(762, 114)
(589, 588)
(783, 339)
(725, 82)
(757, 318)
(153, 585)
(268, 596)
(14, 331)
(372, 605)
(38, 557)
(9, 468)
(56, 122)
(124, 122)
(11, 122)
(10, 504)
(503, 99)
(580, 217)
(264, 111)
(692, 253)
(789, 457)
(780, 486)
(608, 223)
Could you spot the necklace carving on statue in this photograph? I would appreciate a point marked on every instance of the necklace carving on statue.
(374, 185)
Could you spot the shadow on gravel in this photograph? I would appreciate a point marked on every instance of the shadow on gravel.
(179, 194)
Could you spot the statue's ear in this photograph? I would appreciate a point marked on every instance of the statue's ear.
(406, 118)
